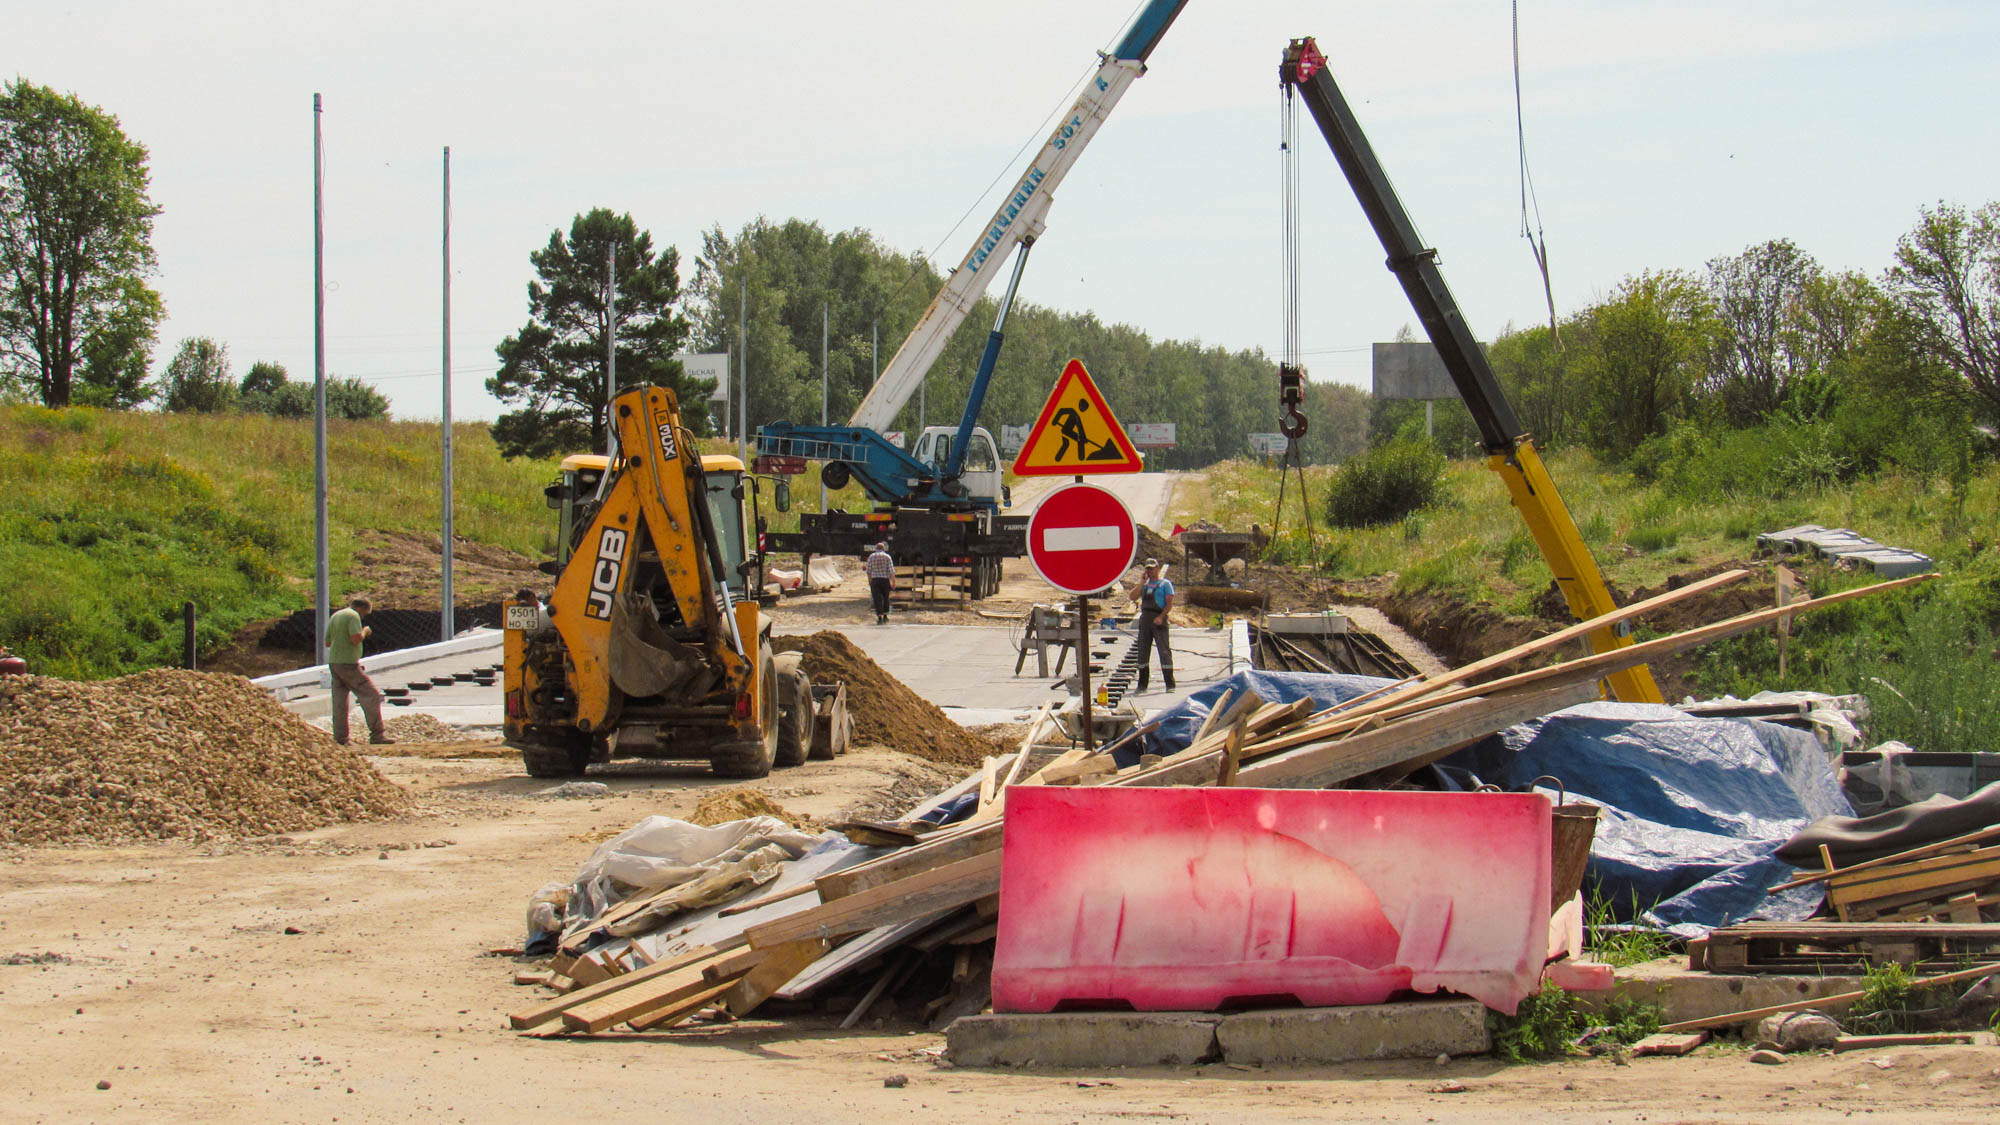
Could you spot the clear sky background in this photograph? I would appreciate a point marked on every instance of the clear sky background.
(1660, 135)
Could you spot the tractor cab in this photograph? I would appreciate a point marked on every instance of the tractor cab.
(730, 495)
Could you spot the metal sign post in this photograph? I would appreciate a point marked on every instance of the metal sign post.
(1083, 669)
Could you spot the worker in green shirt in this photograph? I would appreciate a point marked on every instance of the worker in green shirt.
(344, 634)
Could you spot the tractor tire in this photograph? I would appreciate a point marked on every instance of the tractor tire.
(795, 712)
(555, 761)
(754, 758)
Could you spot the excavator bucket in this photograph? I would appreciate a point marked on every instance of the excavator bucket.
(644, 660)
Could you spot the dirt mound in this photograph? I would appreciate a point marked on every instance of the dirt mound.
(169, 754)
(1153, 545)
(885, 711)
(742, 804)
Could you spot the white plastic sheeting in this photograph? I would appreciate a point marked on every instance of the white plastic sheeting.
(660, 852)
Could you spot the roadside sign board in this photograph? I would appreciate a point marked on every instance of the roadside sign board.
(1152, 435)
(1076, 433)
(708, 365)
(1080, 538)
(1267, 445)
(1012, 438)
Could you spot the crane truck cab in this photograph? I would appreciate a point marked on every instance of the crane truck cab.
(653, 644)
(980, 476)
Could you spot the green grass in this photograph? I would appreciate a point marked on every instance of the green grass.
(1550, 1020)
(110, 520)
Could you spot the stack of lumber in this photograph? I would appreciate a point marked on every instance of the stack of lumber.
(1947, 881)
(939, 895)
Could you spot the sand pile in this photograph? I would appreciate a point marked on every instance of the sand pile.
(742, 804)
(884, 710)
(169, 754)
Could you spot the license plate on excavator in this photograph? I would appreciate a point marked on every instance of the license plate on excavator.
(523, 617)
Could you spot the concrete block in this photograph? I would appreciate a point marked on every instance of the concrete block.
(1082, 1039)
(1409, 1030)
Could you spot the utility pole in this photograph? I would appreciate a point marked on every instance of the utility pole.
(610, 351)
(743, 375)
(823, 322)
(447, 623)
(321, 582)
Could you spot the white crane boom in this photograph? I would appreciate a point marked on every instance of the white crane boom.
(1020, 219)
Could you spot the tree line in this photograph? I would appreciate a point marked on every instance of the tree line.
(78, 318)
(1763, 367)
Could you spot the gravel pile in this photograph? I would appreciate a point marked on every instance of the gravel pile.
(413, 728)
(167, 755)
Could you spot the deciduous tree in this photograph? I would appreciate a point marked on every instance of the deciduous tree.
(197, 379)
(75, 246)
(1945, 288)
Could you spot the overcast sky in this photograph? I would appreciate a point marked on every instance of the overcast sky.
(1660, 135)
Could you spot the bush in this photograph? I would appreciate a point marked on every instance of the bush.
(1386, 484)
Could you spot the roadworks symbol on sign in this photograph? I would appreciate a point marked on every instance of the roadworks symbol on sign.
(1076, 433)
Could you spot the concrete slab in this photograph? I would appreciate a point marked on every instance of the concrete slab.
(1083, 1039)
(1413, 1029)
(1683, 994)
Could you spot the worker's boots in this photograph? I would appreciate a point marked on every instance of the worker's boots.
(1141, 688)
(1167, 675)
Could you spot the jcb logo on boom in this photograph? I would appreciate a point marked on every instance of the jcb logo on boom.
(604, 578)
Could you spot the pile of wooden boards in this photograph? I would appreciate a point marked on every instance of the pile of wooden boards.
(943, 888)
(1947, 881)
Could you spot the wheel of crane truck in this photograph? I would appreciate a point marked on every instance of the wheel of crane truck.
(835, 474)
(795, 711)
(753, 758)
(555, 761)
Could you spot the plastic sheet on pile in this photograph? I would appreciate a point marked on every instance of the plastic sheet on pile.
(1694, 809)
(660, 852)
(1179, 722)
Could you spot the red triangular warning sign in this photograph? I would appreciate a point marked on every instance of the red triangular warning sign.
(1076, 433)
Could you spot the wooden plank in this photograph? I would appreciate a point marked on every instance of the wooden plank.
(771, 974)
(1912, 876)
(1067, 757)
(758, 903)
(1899, 857)
(1415, 739)
(1599, 665)
(989, 779)
(1215, 709)
(941, 848)
(1088, 767)
(549, 1009)
(1232, 754)
(1671, 1046)
(1940, 882)
(1922, 1039)
(1588, 669)
(645, 999)
(678, 1010)
(953, 884)
(1728, 1018)
(1553, 641)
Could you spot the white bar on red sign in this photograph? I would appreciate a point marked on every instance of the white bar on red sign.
(1103, 538)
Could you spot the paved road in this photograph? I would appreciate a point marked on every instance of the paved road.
(1146, 494)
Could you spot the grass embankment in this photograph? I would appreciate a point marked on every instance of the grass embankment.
(110, 520)
(1926, 658)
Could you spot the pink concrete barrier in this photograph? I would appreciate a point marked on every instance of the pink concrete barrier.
(1203, 898)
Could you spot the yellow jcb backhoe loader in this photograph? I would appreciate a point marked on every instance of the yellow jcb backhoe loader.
(653, 645)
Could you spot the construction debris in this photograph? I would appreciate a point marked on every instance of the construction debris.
(170, 755)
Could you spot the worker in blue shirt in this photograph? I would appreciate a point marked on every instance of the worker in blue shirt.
(1156, 597)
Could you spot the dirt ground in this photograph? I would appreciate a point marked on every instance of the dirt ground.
(344, 974)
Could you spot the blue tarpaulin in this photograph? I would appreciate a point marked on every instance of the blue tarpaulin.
(1694, 809)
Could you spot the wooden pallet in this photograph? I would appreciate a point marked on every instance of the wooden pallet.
(1808, 947)
(914, 584)
(1953, 885)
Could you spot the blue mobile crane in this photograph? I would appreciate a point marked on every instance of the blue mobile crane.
(941, 502)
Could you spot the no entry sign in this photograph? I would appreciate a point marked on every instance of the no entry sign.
(1080, 539)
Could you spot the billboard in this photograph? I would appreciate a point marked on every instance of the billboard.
(1151, 435)
(1411, 370)
(1267, 445)
(708, 365)
(1012, 438)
